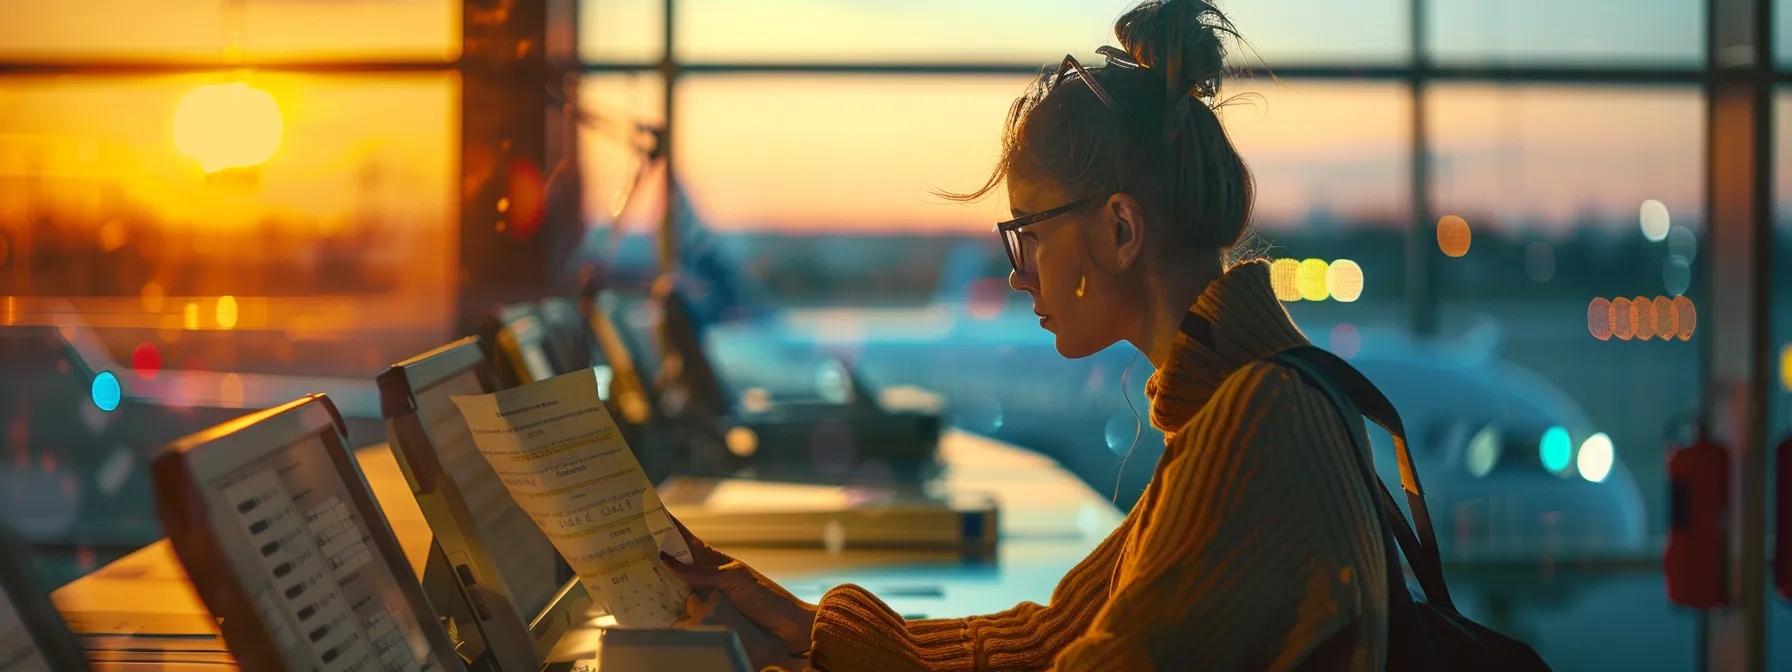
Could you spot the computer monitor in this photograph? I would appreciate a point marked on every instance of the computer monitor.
(488, 553)
(285, 543)
(33, 636)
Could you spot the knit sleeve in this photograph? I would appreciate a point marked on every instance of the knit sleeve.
(1263, 547)
(854, 630)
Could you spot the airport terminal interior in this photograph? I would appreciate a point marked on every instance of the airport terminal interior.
(288, 288)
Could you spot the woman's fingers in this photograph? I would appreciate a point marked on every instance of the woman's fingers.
(728, 578)
(755, 597)
(701, 553)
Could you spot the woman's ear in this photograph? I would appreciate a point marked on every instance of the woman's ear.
(1129, 229)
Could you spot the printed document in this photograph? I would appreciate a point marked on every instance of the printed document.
(559, 453)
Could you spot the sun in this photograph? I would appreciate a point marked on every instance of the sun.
(225, 126)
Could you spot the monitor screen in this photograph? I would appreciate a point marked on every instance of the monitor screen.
(288, 524)
(527, 560)
(18, 653)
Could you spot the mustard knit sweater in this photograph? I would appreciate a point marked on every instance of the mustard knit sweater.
(1253, 548)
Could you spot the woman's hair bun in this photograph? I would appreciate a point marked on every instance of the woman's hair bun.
(1181, 40)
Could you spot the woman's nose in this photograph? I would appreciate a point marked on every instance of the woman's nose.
(1015, 280)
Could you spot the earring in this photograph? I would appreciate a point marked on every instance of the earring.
(1082, 283)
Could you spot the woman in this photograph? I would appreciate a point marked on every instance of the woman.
(1255, 546)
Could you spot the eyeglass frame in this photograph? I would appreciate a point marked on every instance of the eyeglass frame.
(1008, 232)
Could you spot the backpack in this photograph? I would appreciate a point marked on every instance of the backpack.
(1422, 636)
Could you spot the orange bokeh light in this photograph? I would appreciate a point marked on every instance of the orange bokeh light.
(1454, 236)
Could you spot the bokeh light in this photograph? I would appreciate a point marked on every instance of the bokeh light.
(106, 392)
(742, 442)
(226, 312)
(1676, 275)
(1311, 280)
(169, 330)
(833, 537)
(1344, 279)
(112, 235)
(1599, 318)
(1120, 432)
(1595, 458)
(146, 360)
(1667, 323)
(1483, 452)
(1345, 340)
(1689, 316)
(226, 126)
(1453, 236)
(152, 295)
(1653, 218)
(190, 316)
(1683, 243)
(1282, 274)
(230, 391)
(1642, 311)
(1556, 449)
(528, 199)
(1623, 319)
(1786, 368)
(1539, 261)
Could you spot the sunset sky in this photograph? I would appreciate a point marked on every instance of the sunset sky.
(828, 153)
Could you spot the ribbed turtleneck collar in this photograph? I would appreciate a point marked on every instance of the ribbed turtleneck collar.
(1236, 321)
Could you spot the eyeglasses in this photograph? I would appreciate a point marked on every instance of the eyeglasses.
(1009, 231)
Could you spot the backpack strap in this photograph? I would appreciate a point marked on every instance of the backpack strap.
(1355, 398)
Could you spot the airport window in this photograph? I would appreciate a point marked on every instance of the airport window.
(1571, 195)
(211, 31)
(622, 31)
(613, 149)
(1558, 33)
(1561, 166)
(330, 214)
(942, 32)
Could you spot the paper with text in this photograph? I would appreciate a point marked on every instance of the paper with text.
(560, 455)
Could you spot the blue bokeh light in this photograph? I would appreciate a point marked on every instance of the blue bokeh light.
(1556, 449)
(106, 392)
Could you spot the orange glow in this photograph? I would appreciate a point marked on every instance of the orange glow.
(1453, 236)
(152, 296)
(230, 390)
(226, 312)
(1623, 319)
(1599, 318)
(1689, 316)
(1667, 322)
(1642, 311)
(227, 126)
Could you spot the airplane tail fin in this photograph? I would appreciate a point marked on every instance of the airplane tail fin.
(711, 275)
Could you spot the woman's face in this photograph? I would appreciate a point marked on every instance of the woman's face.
(1086, 307)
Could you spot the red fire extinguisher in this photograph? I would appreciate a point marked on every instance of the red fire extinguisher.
(1697, 562)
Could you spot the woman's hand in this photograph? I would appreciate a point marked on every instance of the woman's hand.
(761, 601)
(764, 650)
